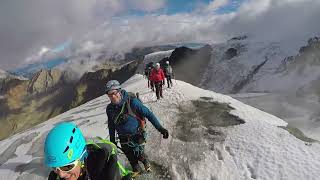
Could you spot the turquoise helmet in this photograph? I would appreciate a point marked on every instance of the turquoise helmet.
(63, 145)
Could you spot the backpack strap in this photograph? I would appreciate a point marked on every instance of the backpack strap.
(136, 115)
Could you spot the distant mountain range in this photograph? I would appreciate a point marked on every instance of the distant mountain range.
(29, 70)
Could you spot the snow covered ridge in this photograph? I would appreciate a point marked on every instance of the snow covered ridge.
(157, 56)
(196, 149)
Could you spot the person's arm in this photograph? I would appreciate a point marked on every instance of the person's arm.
(111, 127)
(145, 112)
(162, 74)
(151, 75)
(162, 77)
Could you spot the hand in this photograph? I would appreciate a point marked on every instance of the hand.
(164, 132)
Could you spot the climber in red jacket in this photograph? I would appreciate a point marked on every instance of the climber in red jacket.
(157, 77)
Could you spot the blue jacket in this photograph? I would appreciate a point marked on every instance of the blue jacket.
(131, 125)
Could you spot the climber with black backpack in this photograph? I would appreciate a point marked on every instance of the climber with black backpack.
(71, 157)
(126, 115)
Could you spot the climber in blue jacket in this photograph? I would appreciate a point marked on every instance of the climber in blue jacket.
(126, 115)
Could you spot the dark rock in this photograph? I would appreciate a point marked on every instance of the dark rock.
(238, 38)
(91, 84)
(188, 63)
(230, 53)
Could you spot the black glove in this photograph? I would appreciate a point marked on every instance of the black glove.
(164, 132)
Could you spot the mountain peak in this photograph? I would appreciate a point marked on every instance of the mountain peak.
(43, 80)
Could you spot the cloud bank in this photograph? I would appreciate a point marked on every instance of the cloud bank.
(106, 25)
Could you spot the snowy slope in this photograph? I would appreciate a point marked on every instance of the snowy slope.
(157, 56)
(3, 74)
(223, 74)
(289, 76)
(257, 149)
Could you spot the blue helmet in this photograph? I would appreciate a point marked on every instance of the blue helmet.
(63, 145)
(112, 85)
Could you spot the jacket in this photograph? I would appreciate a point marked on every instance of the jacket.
(168, 70)
(131, 124)
(157, 75)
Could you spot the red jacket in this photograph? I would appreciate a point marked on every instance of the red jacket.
(157, 75)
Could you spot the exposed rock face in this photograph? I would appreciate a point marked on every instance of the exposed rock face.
(91, 85)
(43, 80)
(230, 53)
(313, 44)
(48, 94)
(238, 38)
(8, 83)
(189, 64)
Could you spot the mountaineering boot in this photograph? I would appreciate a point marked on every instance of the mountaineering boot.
(147, 167)
(136, 170)
(146, 163)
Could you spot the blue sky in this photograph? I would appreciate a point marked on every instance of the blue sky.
(187, 6)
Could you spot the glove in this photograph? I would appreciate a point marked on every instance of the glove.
(164, 132)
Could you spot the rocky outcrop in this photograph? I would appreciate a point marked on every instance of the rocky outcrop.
(48, 94)
(243, 82)
(91, 85)
(313, 44)
(44, 80)
(189, 64)
(238, 38)
(230, 53)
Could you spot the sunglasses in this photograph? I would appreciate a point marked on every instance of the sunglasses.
(68, 167)
(71, 166)
(113, 93)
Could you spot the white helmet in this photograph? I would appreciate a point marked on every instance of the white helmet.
(167, 62)
(157, 65)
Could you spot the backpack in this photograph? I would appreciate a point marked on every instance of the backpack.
(126, 110)
(99, 142)
(132, 112)
(168, 70)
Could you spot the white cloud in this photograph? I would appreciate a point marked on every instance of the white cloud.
(52, 22)
(265, 19)
(216, 4)
(38, 56)
(27, 25)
